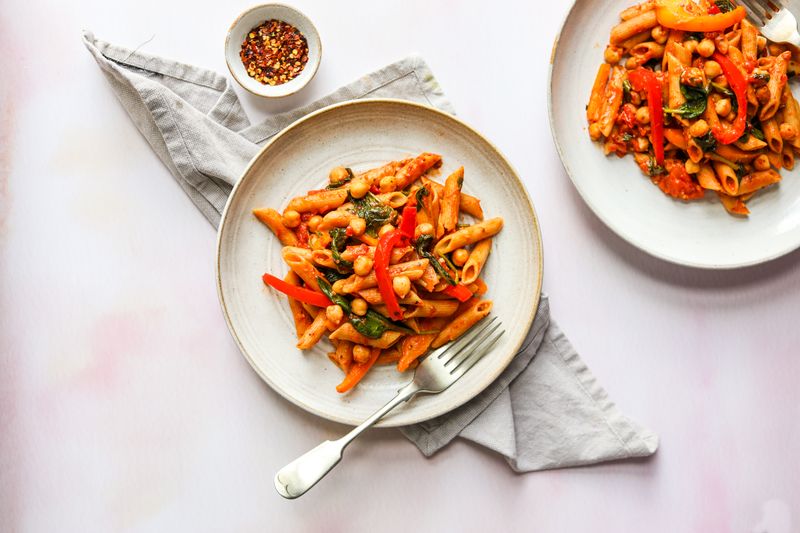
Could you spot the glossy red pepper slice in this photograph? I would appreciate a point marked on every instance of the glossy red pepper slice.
(298, 293)
(738, 83)
(459, 292)
(409, 222)
(383, 252)
(643, 79)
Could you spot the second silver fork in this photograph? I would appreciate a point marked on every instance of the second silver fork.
(437, 372)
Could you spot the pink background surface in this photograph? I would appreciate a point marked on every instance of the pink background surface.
(125, 406)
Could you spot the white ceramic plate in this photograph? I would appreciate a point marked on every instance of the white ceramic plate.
(362, 135)
(699, 233)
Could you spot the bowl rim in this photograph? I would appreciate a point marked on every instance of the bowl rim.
(314, 64)
(494, 375)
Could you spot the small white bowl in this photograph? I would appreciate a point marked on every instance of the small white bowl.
(252, 18)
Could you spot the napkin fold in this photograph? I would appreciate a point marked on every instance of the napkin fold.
(546, 410)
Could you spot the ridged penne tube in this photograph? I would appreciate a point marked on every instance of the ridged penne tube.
(272, 219)
(411, 172)
(630, 42)
(727, 178)
(733, 205)
(429, 278)
(346, 332)
(469, 235)
(313, 332)
(788, 157)
(412, 347)
(637, 9)
(413, 270)
(676, 137)
(393, 199)
(479, 287)
(598, 90)
(612, 100)
(674, 71)
(776, 83)
(772, 134)
(318, 202)
(758, 180)
(373, 297)
(694, 151)
(335, 219)
(472, 314)
(467, 204)
(451, 198)
(388, 357)
(776, 160)
(707, 178)
(323, 258)
(735, 154)
(344, 354)
(638, 24)
(646, 51)
(749, 42)
(790, 110)
(302, 267)
(432, 308)
(302, 319)
(752, 144)
(476, 261)
(302, 252)
(375, 175)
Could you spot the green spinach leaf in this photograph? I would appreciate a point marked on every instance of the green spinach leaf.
(423, 246)
(696, 102)
(338, 238)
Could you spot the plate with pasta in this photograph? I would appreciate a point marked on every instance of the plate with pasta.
(362, 237)
(678, 124)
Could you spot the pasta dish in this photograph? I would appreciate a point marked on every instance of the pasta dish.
(382, 263)
(699, 98)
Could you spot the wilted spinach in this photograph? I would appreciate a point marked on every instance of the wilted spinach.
(373, 211)
(695, 105)
(338, 238)
(423, 245)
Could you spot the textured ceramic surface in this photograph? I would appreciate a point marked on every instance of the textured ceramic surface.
(252, 18)
(362, 135)
(696, 233)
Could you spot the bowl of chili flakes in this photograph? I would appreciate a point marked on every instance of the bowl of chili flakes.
(273, 50)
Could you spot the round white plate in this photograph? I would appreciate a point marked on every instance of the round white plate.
(699, 233)
(362, 135)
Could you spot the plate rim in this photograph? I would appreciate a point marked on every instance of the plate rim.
(491, 376)
(619, 231)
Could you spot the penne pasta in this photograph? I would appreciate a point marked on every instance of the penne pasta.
(302, 267)
(347, 332)
(645, 20)
(272, 219)
(727, 178)
(451, 197)
(313, 332)
(477, 259)
(319, 201)
(469, 235)
(472, 314)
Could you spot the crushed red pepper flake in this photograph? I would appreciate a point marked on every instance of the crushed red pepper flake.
(274, 52)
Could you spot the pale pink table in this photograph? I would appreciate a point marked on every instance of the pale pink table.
(125, 406)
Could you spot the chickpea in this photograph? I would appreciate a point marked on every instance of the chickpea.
(635, 98)
(334, 314)
(386, 228)
(643, 115)
(423, 229)
(460, 256)
(788, 132)
(640, 144)
(359, 306)
(314, 222)
(291, 218)
(692, 167)
(612, 54)
(387, 184)
(761, 43)
(659, 34)
(690, 45)
(338, 175)
(362, 265)
(338, 286)
(699, 128)
(723, 106)
(706, 48)
(761, 162)
(358, 188)
(357, 226)
(762, 95)
(361, 353)
(594, 131)
(692, 76)
(722, 44)
(401, 286)
(712, 69)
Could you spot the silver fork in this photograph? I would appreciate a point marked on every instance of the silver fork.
(776, 22)
(440, 369)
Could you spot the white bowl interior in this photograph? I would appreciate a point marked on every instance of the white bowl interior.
(362, 135)
(252, 18)
(696, 233)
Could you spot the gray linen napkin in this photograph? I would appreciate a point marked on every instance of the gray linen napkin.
(545, 411)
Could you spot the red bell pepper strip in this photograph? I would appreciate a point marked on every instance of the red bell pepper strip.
(358, 371)
(298, 293)
(383, 253)
(643, 79)
(409, 222)
(737, 82)
(459, 292)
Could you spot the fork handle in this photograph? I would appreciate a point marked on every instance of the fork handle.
(296, 478)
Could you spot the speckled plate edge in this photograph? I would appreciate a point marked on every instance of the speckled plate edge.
(488, 377)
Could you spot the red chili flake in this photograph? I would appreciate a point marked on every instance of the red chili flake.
(274, 52)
